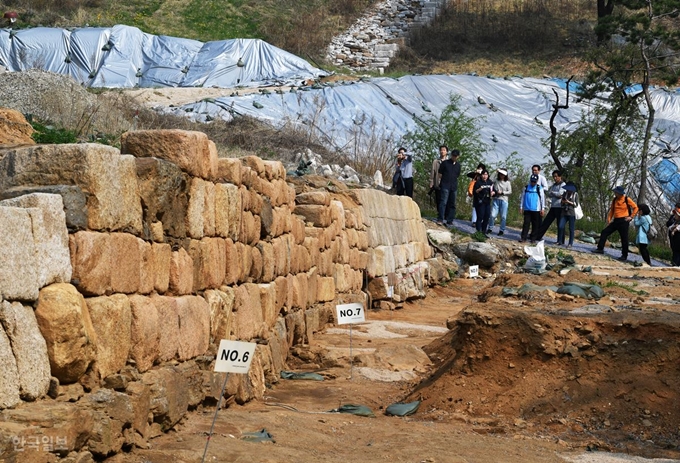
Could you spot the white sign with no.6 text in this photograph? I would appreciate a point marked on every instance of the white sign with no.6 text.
(474, 271)
(350, 313)
(234, 356)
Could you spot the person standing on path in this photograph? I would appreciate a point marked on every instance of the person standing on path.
(531, 206)
(620, 214)
(673, 224)
(449, 171)
(502, 189)
(542, 182)
(569, 202)
(643, 222)
(474, 176)
(434, 177)
(405, 163)
(481, 199)
(555, 194)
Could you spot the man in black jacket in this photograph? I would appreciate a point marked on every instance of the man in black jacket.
(449, 171)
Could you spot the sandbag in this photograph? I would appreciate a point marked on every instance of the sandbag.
(258, 436)
(305, 375)
(360, 410)
(402, 409)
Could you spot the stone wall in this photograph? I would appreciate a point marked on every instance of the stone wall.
(120, 272)
(374, 39)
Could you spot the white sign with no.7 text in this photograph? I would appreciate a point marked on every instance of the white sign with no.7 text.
(350, 313)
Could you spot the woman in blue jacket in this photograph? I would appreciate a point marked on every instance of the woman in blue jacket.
(643, 222)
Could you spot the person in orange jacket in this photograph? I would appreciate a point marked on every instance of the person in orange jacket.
(621, 212)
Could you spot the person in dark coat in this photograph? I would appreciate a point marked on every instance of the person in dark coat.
(673, 224)
(481, 199)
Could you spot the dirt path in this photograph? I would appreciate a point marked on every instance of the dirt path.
(389, 365)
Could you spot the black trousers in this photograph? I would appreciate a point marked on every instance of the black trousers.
(533, 219)
(554, 214)
(408, 187)
(620, 225)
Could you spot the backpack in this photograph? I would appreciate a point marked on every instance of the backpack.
(652, 233)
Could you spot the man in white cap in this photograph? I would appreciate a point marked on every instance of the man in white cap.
(502, 189)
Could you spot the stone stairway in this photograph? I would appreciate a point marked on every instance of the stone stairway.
(374, 39)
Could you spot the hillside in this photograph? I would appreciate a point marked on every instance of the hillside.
(498, 37)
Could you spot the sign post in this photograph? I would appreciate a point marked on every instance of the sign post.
(474, 271)
(347, 315)
(232, 357)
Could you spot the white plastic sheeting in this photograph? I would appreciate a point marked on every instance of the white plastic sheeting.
(516, 114)
(123, 57)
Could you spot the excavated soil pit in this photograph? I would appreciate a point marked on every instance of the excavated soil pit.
(599, 374)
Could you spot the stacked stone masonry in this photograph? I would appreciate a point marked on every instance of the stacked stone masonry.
(122, 270)
(374, 39)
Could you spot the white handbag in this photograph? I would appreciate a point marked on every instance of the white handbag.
(578, 212)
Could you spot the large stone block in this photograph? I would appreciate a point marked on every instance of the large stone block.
(317, 197)
(193, 152)
(325, 289)
(162, 256)
(195, 219)
(164, 190)
(126, 263)
(91, 262)
(30, 350)
(19, 269)
(209, 209)
(221, 210)
(108, 179)
(50, 235)
(194, 321)
(281, 256)
(268, 302)
(209, 260)
(113, 413)
(221, 306)
(256, 266)
(9, 379)
(64, 321)
(147, 267)
(168, 326)
(73, 199)
(144, 332)
(229, 170)
(14, 128)
(111, 319)
(232, 260)
(248, 320)
(169, 398)
(267, 251)
(67, 426)
(245, 264)
(316, 215)
(250, 228)
(181, 273)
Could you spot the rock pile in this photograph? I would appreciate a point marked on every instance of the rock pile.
(374, 39)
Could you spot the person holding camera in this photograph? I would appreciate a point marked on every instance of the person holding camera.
(405, 167)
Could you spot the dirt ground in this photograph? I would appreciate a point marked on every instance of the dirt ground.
(542, 377)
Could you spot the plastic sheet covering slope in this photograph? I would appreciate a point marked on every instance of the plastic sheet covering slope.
(124, 57)
(515, 116)
(516, 112)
